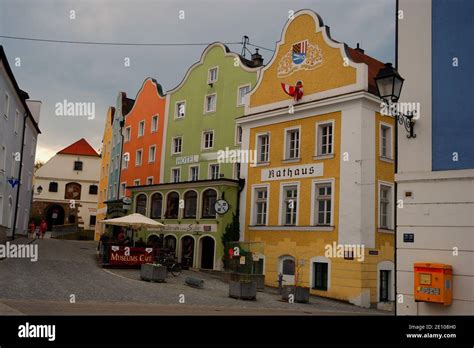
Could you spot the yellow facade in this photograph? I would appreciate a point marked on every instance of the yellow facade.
(306, 242)
(104, 172)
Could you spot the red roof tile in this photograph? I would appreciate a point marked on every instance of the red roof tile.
(373, 66)
(80, 147)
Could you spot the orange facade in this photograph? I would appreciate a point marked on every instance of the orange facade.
(143, 137)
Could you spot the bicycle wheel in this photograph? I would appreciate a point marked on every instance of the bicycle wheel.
(176, 270)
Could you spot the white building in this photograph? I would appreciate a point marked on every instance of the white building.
(18, 137)
(436, 169)
(66, 188)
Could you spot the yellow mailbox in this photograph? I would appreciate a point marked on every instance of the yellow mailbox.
(433, 283)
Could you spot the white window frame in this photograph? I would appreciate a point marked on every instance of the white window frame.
(136, 157)
(123, 188)
(257, 146)
(141, 134)
(17, 121)
(239, 101)
(314, 194)
(176, 109)
(216, 68)
(172, 174)
(209, 170)
(3, 167)
(319, 259)
(389, 155)
(191, 173)
(125, 163)
(253, 210)
(173, 147)
(286, 149)
(6, 106)
(390, 205)
(281, 201)
(237, 140)
(128, 134)
(203, 139)
(153, 118)
(318, 140)
(206, 111)
(152, 160)
(136, 182)
(148, 179)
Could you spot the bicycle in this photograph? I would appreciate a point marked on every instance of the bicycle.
(169, 261)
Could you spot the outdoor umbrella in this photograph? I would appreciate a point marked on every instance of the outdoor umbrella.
(133, 221)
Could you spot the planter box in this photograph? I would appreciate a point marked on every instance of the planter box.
(151, 272)
(259, 279)
(301, 294)
(243, 291)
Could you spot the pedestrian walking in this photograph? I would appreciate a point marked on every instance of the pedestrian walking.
(31, 228)
(43, 227)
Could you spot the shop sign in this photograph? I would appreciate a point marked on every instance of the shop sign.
(187, 159)
(190, 228)
(293, 172)
(124, 255)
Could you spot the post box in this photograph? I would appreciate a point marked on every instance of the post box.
(433, 283)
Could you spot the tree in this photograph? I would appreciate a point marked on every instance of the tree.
(231, 234)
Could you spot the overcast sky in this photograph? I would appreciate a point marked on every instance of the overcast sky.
(53, 72)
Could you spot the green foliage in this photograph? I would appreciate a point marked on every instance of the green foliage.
(231, 234)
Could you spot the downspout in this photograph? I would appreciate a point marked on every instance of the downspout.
(19, 174)
(395, 186)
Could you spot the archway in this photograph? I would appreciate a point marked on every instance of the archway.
(54, 215)
(170, 243)
(207, 252)
(154, 240)
(287, 269)
(187, 252)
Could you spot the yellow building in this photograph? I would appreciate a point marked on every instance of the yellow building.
(320, 193)
(104, 172)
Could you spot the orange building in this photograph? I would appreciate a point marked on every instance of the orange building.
(143, 137)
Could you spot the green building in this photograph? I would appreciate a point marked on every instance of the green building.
(201, 113)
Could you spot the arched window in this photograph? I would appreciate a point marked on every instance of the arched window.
(140, 207)
(156, 204)
(287, 269)
(172, 205)
(209, 197)
(190, 204)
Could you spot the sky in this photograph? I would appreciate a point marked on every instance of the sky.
(54, 72)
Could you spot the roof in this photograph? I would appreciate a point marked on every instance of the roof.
(373, 66)
(80, 147)
(21, 94)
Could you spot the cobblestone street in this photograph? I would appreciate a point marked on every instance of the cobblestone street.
(66, 268)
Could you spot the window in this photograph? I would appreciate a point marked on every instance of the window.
(77, 165)
(175, 174)
(261, 203)
(3, 158)
(141, 129)
(125, 160)
(53, 187)
(212, 75)
(116, 162)
(236, 170)
(384, 285)
(123, 187)
(180, 110)
(149, 180)
(140, 207)
(325, 139)
(210, 104)
(152, 154)
(209, 198)
(290, 197)
(156, 205)
(385, 198)
(172, 206)
(243, 91)
(208, 140)
(190, 204)
(177, 144)
(263, 147)
(214, 171)
(194, 173)
(93, 189)
(154, 124)
(323, 204)
(138, 158)
(320, 277)
(17, 121)
(128, 134)
(385, 141)
(238, 135)
(288, 267)
(6, 106)
(292, 144)
(92, 220)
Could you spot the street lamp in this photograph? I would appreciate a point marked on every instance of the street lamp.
(39, 189)
(389, 87)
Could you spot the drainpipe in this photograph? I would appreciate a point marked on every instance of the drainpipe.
(395, 186)
(19, 174)
(122, 124)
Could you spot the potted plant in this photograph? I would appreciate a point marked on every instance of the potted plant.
(153, 272)
(300, 293)
(243, 289)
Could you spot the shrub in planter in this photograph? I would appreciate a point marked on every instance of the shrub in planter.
(153, 272)
(300, 293)
(244, 290)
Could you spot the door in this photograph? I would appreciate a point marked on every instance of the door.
(207, 253)
(287, 269)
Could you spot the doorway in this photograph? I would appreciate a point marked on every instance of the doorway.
(207, 252)
(187, 252)
(54, 216)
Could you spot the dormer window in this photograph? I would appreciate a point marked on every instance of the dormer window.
(212, 75)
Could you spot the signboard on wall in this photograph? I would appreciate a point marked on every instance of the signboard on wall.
(190, 228)
(124, 255)
(293, 172)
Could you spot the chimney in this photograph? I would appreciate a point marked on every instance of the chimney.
(257, 59)
(358, 49)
